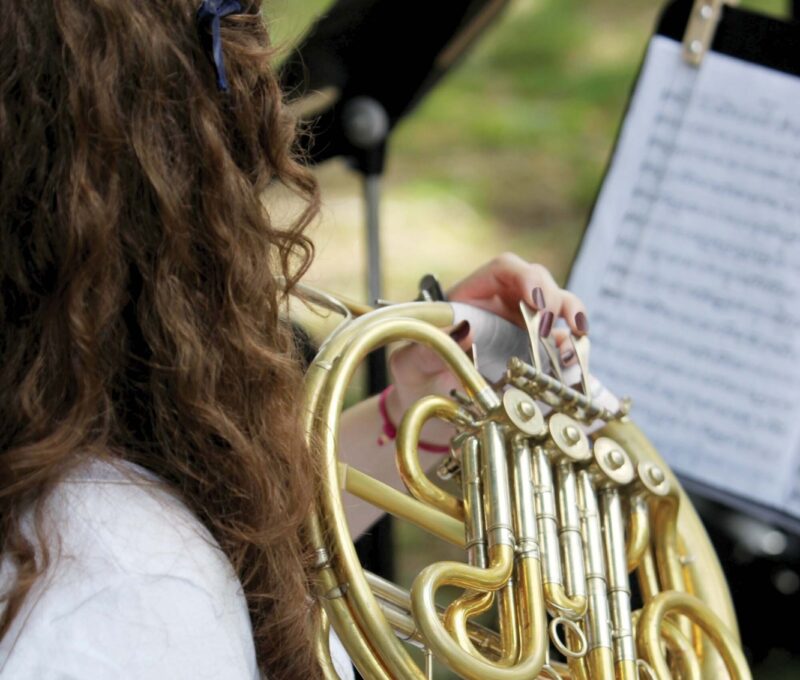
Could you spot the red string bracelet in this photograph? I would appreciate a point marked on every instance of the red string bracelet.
(389, 429)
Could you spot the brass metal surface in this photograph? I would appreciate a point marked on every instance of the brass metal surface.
(554, 523)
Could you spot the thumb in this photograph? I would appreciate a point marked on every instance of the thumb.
(414, 362)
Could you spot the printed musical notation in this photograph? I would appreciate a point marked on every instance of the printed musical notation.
(691, 270)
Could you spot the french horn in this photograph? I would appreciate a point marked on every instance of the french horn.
(564, 504)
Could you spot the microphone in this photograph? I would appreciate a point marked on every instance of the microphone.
(365, 122)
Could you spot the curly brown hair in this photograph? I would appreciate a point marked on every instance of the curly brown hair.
(140, 302)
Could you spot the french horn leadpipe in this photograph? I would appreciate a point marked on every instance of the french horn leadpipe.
(562, 503)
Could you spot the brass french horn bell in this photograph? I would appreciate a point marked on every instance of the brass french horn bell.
(554, 523)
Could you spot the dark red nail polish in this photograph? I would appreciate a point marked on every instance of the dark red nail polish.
(460, 332)
(547, 324)
(581, 322)
(538, 298)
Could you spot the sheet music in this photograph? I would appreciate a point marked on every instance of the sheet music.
(691, 271)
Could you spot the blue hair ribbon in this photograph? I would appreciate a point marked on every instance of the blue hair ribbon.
(209, 15)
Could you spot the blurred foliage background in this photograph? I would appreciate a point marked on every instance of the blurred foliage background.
(507, 153)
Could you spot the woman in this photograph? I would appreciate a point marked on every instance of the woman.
(153, 482)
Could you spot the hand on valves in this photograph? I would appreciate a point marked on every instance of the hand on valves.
(498, 287)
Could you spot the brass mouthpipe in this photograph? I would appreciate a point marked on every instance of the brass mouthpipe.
(309, 295)
(431, 315)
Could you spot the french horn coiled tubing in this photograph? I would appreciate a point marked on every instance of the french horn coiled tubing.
(563, 503)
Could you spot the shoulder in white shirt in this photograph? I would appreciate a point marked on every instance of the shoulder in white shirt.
(138, 589)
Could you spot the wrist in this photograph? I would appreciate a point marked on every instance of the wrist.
(395, 410)
(390, 408)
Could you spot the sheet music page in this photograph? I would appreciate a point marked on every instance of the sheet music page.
(691, 271)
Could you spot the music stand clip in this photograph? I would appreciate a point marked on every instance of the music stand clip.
(701, 28)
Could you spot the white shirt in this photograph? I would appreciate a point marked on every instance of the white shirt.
(138, 589)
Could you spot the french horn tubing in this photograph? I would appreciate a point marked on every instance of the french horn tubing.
(554, 522)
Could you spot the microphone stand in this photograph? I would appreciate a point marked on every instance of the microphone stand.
(366, 126)
(365, 123)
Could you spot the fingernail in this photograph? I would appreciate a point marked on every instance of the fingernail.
(581, 323)
(568, 356)
(460, 332)
(547, 324)
(538, 298)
